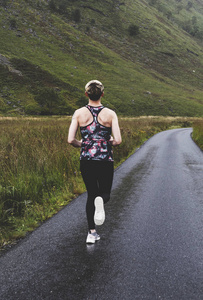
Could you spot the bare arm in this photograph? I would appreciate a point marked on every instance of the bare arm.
(116, 140)
(72, 132)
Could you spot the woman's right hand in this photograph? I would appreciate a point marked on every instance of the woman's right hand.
(111, 139)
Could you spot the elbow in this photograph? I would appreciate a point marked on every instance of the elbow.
(70, 141)
(117, 141)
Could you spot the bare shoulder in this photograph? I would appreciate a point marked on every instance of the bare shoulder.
(79, 112)
(110, 112)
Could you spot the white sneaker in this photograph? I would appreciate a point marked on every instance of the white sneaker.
(99, 215)
(92, 238)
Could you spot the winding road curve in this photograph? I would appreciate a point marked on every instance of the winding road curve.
(151, 243)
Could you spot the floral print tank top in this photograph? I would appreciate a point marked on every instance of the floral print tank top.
(95, 139)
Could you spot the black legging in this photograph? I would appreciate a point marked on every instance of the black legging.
(98, 178)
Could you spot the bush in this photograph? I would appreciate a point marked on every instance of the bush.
(50, 102)
(189, 5)
(133, 30)
(62, 7)
(4, 3)
(191, 28)
(59, 6)
(13, 24)
(52, 5)
(76, 15)
(152, 2)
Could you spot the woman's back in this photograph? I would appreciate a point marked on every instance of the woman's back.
(95, 137)
(104, 118)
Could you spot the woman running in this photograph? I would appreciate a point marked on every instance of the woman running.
(96, 123)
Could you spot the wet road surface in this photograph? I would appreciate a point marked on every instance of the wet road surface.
(151, 243)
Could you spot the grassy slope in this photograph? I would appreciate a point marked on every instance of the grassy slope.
(158, 72)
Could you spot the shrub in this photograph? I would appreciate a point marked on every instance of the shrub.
(50, 102)
(152, 2)
(52, 5)
(76, 15)
(4, 3)
(133, 30)
(189, 5)
(13, 24)
(62, 7)
(191, 28)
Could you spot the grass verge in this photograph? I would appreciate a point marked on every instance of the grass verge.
(39, 171)
(198, 133)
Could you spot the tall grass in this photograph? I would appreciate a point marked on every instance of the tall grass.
(37, 166)
(198, 133)
(39, 171)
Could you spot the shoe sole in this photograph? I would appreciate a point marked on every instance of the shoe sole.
(99, 215)
(91, 241)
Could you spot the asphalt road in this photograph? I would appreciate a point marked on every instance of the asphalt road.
(151, 243)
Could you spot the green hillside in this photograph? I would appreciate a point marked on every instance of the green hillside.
(148, 54)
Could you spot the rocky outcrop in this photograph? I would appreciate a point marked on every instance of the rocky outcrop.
(5, 62)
